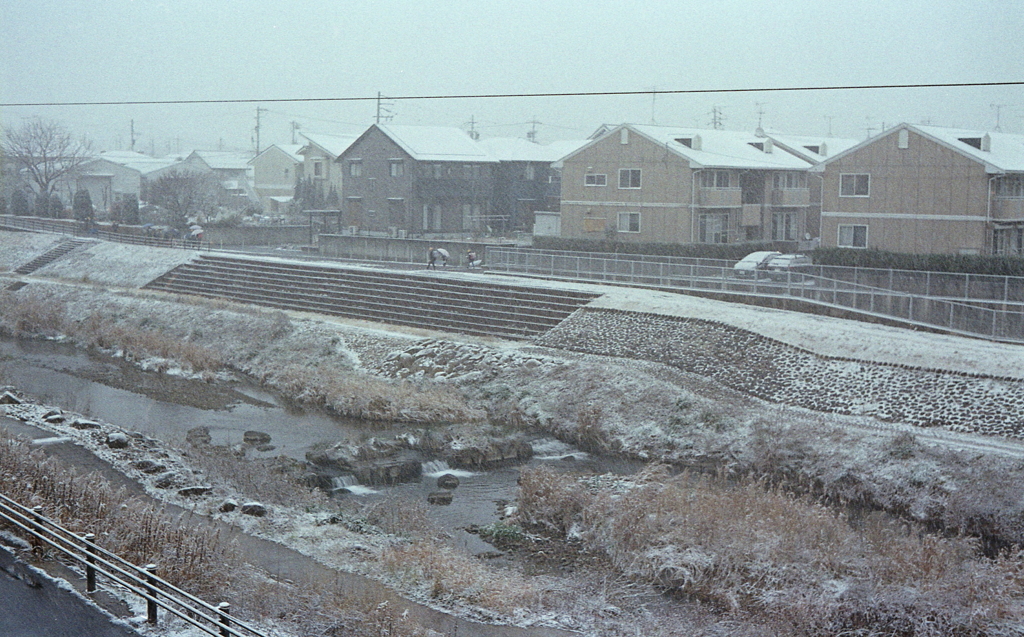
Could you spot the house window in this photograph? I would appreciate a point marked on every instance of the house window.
(712, 227)
(530, 172)
(852, 236)
(397, 168)
(784, 226)
(854, 185)
(629, 222)
(1012, 187)
(318, 169)
(431, 217)
(629, 178)
(714, 179)
(1008, 241)
(355, 168)
(595, 180)
(790, 181)
(286, 171)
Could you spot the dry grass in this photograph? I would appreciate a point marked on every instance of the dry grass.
(750, 550)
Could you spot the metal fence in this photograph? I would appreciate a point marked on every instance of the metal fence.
(75, 228)
(1000, 320)
(142, 581)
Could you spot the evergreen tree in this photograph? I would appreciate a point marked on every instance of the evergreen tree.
(41, 205)
(82, 205)
(56, 207)
(19, 204)
(333, 201)
(130, 210)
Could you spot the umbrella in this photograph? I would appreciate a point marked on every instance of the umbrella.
(444, 253)
(196, 230)
(196, 227)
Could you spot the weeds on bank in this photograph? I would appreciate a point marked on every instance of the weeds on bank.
(751, 550)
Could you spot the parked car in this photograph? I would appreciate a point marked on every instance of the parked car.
(789, 267)
(754, 264)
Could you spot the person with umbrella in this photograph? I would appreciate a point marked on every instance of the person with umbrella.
(435, 254)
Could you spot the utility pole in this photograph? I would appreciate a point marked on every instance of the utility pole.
(532, 133)
(760, 114)
(998, 107)
(474, 134)
(384, 111)
(132, 147)
(295, 127)
(829, 119)
(716, 118)
(259, 110)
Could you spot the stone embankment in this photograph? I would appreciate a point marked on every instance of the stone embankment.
(780, 373)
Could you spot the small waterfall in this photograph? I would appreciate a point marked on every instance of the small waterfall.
(435, 468)
(347, 483)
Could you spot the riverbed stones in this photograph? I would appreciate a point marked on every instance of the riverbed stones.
(167, 480)
(194, 491)
(198, 436)
(447, 481)
(256, 438)
(255, 509)
(148, 465)
(117, 440)
(227, 506)
(7, 398)
(440, 497)
(490, 453)
(84, 423)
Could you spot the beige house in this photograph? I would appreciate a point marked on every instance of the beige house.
(682, 185)
(926, 190)
(274, 172)
(318, 155)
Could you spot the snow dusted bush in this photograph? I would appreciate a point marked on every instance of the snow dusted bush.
(753, 551)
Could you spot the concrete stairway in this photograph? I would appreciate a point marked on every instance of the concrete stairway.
(433, 301)
(57, 252)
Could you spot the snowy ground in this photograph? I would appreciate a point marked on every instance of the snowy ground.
(123, 265)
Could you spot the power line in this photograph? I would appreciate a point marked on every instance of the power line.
(519, 95)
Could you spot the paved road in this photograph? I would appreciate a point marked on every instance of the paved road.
(46, 610)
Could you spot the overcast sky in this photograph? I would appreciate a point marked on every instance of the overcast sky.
(153, 50)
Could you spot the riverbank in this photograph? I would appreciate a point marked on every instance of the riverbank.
(636, 399)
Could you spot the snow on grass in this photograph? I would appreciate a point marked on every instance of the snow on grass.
(18, 248)
(117, 264)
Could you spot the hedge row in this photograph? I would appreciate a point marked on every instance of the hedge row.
(969, 263)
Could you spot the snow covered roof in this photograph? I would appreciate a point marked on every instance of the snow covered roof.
(333, 145)
(813, 149)
(137, 161)
(1006, 150)
(519, 149)
(224, 159)
(292, 150)
(721, 148)
(437, 143)
(705, 148)
(998, 152)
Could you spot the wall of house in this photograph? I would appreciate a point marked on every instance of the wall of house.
(330, 174)
(663, 200)
(274, 174)
(923, 199)
(375, 200)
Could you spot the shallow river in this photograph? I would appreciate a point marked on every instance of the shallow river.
(165, 407)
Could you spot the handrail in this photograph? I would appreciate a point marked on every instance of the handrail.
(69, 227)
(138, 580)
(960, 316)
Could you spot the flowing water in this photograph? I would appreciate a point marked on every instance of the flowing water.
(165, 407)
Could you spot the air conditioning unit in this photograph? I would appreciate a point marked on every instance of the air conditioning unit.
(400, 234)
(353, 230)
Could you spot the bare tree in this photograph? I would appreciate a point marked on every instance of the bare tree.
(47, 151)
(185, 195)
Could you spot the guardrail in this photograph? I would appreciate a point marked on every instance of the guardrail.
(74, 228)
(994, 320)
(142, 581)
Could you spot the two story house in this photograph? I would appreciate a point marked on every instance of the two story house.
(666, 184)
(275, 171)
(417, 180)
(319, 153)
(927, 190)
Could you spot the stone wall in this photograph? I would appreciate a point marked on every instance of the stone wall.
(780, 373)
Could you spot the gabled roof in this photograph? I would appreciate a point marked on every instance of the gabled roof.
(519, 149)
(332, 145)
(292, 150)
(705, 148)
(136, 161)
(813, 149)
(1005, 152)
(436, 143)
(223, 159)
